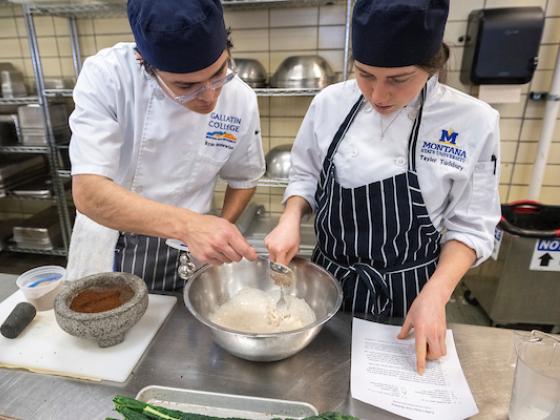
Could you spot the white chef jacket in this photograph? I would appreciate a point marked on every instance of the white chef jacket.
(457, 156)
(126, 128)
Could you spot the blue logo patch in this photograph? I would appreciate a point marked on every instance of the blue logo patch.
(448, 136)
(445, 152)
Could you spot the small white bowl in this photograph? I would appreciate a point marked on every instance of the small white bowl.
(41, 285)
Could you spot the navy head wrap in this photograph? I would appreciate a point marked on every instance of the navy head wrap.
(178, 36)
(397, 33)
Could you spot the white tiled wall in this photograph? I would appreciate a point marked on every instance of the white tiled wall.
(272, 34)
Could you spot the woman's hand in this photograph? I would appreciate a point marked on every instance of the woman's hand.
(283, 241)
(427, 313)
(427, 317)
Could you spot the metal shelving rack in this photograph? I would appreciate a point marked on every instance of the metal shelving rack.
(18, 101)
(97, 8)
(58, 93)
(106, 8)
(66, 93)
(24, 149)
(52, 147)
(50, 150)
(59, 252)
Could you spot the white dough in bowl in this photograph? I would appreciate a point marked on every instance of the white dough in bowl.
(254, 311)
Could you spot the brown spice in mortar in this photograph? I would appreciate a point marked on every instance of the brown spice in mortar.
(101, 299)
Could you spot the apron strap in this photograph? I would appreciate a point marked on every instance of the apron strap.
(413, 138)
(342, 132)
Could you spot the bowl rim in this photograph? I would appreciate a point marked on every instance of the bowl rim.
(87, 316)
(314, 324)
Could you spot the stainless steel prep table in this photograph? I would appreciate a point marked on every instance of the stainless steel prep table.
(183, 355)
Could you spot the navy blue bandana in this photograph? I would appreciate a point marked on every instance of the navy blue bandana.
(398, 33)
(178, 36)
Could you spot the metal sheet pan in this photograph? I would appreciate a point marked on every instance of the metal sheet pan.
(41, 229)
(9, 129)
(19, 166)
(224, 405)
(31, 116)
(38, 187)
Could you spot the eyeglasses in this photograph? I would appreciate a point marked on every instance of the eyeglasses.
(198, 88)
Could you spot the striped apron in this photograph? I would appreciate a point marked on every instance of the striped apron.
(376, 239)
(150, 259)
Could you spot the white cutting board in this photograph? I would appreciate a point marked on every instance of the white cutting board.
(45, 348)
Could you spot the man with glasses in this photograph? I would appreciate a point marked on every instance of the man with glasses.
(156, 123)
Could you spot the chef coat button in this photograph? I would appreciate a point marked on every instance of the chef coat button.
(400, 161)
(354, 152)
(367, 107)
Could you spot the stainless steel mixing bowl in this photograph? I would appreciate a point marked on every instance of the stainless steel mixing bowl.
(218, 284)
(251, 72)
(279, 162)
(303, 71)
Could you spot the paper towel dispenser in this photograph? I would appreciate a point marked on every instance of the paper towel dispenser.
(502, 45)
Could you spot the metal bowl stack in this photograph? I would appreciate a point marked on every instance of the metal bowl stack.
(218, 284)
(303, 72)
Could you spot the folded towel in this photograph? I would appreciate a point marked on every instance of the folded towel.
(92, 248)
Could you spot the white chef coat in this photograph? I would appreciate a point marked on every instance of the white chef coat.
(457, 156)
(126, 128)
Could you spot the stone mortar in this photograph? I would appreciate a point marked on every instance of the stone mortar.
(106, 328)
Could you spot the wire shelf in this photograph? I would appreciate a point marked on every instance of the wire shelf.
(286, 92)
(275, 3)
(57, 251)
(10, 194)
(19, 101)
(79, 10)
(64, 174)
(54, 93)
(263, 182)
(116, 7)
(271, 182)
(24, 149)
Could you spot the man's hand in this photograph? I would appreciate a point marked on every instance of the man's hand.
(427, 317)
(214, 240)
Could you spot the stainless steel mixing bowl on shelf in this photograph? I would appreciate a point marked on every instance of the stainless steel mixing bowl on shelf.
(278, 162)
(251, 71)
(215, 285)
(303, 72)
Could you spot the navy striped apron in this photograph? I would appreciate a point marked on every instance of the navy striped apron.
(376, 239)
(150, 259)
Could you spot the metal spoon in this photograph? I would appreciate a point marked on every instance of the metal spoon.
(282, 276)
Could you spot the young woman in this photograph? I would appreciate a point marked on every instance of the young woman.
(401, 172)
